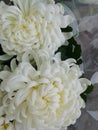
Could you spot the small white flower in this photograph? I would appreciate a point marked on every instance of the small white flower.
(33, 25)
(43, 99)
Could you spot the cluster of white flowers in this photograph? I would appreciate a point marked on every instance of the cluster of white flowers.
(44, 95)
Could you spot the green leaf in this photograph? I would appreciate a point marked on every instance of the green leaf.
(72, 50)
(84, 97)
(89, 89)
(1, 51)
(67, 29)
(79, 61)
(76, 48)
(85, 94)
(63, 50)
(7, 62)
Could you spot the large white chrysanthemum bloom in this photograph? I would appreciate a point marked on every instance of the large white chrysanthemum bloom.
(44, 99)
(34, 25)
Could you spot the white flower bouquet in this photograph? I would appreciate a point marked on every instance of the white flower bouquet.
(41, 84)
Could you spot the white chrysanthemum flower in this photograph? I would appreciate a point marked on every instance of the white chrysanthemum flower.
(33, 25)
(43, 99)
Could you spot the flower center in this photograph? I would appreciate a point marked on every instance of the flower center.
(5, 125)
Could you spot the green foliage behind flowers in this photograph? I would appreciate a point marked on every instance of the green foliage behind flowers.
(73, 50)
(1, 51)
(87, 91)
(5, 62)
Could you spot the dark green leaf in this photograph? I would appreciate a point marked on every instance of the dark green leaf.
(63, 50)
(7, 62)
(79, 61)
(84, 97)
(1, 51)
(72, 50)
(89, 89)
(67, 29)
